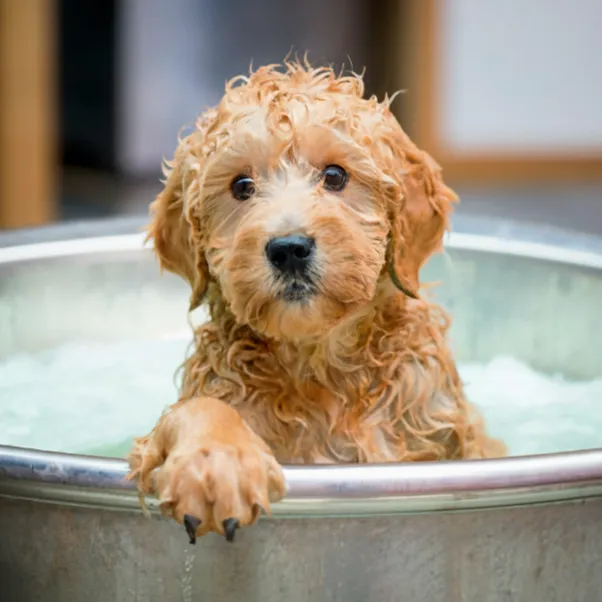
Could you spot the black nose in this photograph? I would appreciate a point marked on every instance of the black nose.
(290, 254)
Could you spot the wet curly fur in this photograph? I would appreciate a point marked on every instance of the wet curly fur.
(359, 369)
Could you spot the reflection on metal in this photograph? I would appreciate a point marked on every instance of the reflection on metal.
(328, 490)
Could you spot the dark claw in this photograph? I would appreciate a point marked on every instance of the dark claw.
(230, 526)
(191, 523)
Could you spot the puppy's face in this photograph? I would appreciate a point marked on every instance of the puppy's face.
(296, 226)
(291, 193)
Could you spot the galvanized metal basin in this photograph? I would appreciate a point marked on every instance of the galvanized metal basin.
(526, 528)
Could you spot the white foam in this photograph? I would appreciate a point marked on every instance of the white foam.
(88, 398)
(93, 398)
(535, 413)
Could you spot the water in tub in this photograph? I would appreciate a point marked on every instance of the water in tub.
(93, 398)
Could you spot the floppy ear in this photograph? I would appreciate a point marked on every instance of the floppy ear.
(419, 217)
(175, 226)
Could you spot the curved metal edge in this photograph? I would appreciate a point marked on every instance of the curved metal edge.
(72, 248)
(533, 250)
(583, 255)
(328, 490)
(69, 230)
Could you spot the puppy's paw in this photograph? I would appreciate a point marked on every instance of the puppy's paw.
(215, 473)
(218, 487)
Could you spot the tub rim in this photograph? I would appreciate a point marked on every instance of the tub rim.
(334, 490)
(327, 490)
(484, 235)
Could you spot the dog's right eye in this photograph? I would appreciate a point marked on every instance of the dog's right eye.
(242, 187)
(335, 178)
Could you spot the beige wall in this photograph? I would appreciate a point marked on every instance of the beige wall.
(521, 75)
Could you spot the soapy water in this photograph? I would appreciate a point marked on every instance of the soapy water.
(94, 398)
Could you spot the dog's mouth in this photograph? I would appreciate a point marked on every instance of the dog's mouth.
(296, 290)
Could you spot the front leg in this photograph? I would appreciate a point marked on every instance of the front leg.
(215, 473)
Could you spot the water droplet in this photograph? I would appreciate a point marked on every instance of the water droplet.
(186, 579)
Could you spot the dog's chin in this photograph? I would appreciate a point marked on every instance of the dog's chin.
(298, 316)
(297, 312)
(297, 309)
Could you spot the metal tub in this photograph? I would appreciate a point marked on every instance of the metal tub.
(524, 528)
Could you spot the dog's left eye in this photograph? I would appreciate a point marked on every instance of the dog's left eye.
(334, 177)
(242, 187)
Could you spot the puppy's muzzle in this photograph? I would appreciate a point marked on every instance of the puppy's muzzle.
(291, 255)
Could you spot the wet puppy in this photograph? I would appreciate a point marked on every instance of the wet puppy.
(301, 213)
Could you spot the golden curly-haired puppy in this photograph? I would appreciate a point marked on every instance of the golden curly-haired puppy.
(301, 213)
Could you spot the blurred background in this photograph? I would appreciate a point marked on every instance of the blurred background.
(507, 96)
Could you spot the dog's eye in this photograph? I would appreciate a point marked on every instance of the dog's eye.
(242, 187)
(335, 177)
